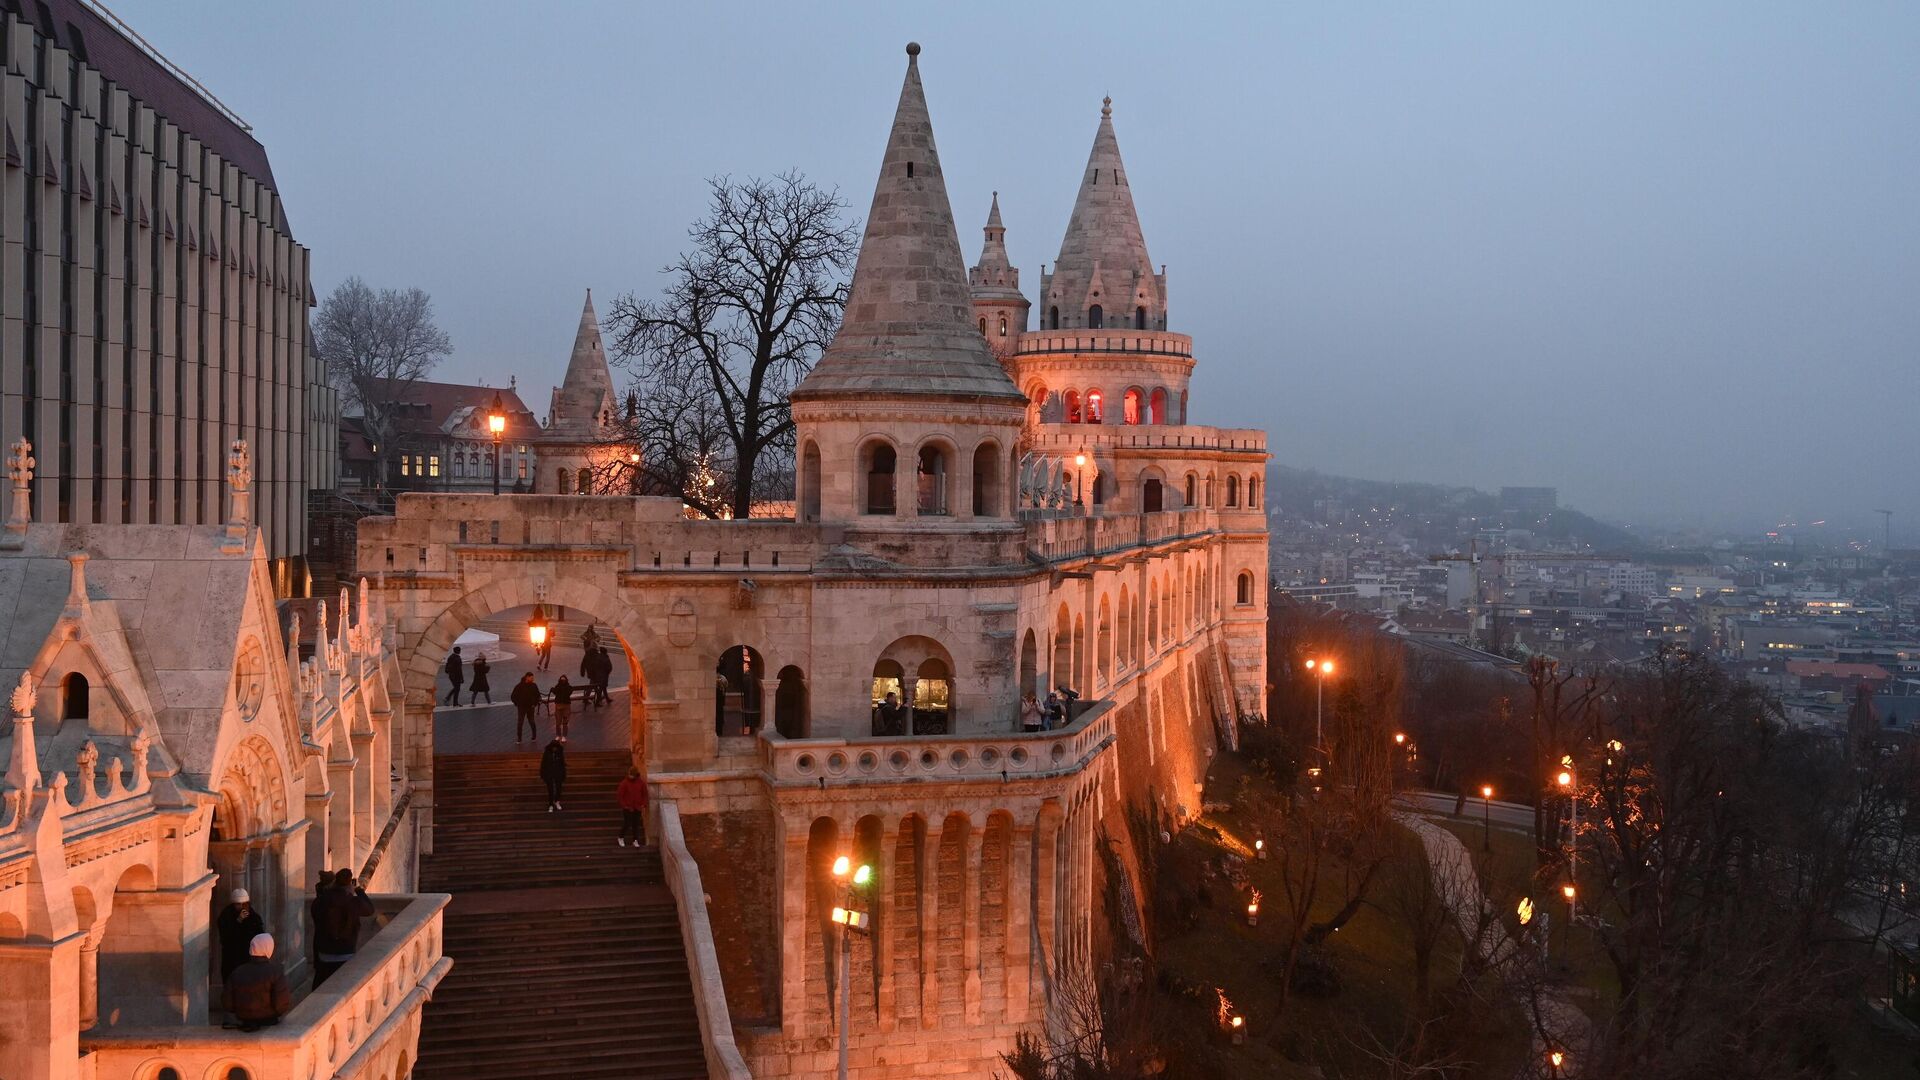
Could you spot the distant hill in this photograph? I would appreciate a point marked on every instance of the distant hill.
(1432, 509)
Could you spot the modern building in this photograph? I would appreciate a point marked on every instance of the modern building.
(153, 300)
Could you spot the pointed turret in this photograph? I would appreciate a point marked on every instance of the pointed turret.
(582, 400)
(1103, 277)
(999, 308)
(908, 330)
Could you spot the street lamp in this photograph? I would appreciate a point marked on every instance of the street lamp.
(1556, 1059)
(1079, 463)
(633, 459)
(1486, 817)
(1321, 669)
(497, 425)
(850, 921)
(537, 627)
(1565, 780)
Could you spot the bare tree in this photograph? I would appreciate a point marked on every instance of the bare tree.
(745, 314)
(376, 344)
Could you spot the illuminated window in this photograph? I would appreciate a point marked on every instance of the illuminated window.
(433, 465)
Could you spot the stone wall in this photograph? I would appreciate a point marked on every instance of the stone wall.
(736, 866)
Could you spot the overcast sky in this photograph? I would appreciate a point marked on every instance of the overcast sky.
(1664, 257)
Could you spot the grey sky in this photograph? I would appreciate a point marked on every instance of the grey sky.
(1665, 257)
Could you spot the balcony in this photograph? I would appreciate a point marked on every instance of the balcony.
(363, 1022)
(938, 759)
(1058, 539)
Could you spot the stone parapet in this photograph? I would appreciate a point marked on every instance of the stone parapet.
(1158, 342)
(364, 1022)
(1069, 438)
(940, 759)
(703, 962)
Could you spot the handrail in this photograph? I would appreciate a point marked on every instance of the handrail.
(703, 962)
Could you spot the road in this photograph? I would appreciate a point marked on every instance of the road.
(1505, 814)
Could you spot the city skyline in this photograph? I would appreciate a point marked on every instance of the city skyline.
(1620, 254)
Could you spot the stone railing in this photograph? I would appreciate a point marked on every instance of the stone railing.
(994, 758)
(358, 1024)
(1117, 339)
(1079, 537)
(703, 963)
(1066, 439)
(124, 779)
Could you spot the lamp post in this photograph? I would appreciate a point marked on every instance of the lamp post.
(537, 627)
(1079, 463)
(1565, 780)
(850, 921)
(633, 460)
(1321, 669)
(497, 426)
(1486, 817)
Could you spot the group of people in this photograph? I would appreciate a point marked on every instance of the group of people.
(596, 672)
(254, 989)
(1036, 715)
(456, 675)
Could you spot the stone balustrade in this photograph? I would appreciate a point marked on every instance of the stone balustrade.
(363, 1022)
(1119, 339)
(125, 779)
(994, 758)
(1061, 538)
(1063, 440)
(703, 962)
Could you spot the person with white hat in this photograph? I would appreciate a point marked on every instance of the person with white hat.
(257, 993)
(238, 924)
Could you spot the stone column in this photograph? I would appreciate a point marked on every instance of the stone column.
(366, 828)
(340, 815)
(287, 860)
(379, 757)
(961, 508)
(38, 1010)
(930, 921)
(90, 979)
(970, 906)
(319, 814)
(155, 957)
(1045, 895)
(792, 890)
(884, 1004)
(1019, 920)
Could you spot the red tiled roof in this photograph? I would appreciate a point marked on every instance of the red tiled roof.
(443, 399)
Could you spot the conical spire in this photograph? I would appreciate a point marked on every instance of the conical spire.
(908, 329)
(581, 401)
(1104, 250)
(995, 277)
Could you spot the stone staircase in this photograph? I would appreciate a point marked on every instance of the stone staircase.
(567, 954)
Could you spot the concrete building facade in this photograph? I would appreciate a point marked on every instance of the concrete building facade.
(153, 300)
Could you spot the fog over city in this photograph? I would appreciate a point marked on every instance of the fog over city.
(1663, 258)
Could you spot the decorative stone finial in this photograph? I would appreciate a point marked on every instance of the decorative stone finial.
(20, 465)
(23, 761)
(913, 48)
(1106, 108)
(23, 696)
(240, 496)
(77, 583)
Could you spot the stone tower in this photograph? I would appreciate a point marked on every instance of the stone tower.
(908, 419)
(578, 444)
(1103, 278)
(999, 307)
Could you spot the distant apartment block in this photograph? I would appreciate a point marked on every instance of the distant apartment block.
(1531, 501)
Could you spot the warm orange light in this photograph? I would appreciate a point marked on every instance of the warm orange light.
(1311, 664)
(1486, 791)
(537, 634)
(841, 865)
(1557, 1058)
(1567, 891)
(496, 423)
(1400, 738)
(1326, 667)
(1565, 779)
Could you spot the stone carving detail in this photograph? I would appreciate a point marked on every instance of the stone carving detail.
(250, 679)
(20, 468)
(240, 496)
(23, 696)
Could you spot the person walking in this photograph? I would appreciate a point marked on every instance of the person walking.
(562, 708)
(602, 674)
(479, 687)
(238, 924)
(525, 696)
(257, 993)
(544, 651)
(632, 795)
(590, 640)
(456, 674)
(336, 924)
(553, 770)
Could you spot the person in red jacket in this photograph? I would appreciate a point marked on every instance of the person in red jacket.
(632, 794)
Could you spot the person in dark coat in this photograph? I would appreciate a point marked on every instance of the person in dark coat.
(553, 770)
(257, 993)
(456, 674)
(632, 795)
(602, 674)
(238, 924)
(336, 924)
(480, 686)
(525, 696)
(891, 716)
(562, 708)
